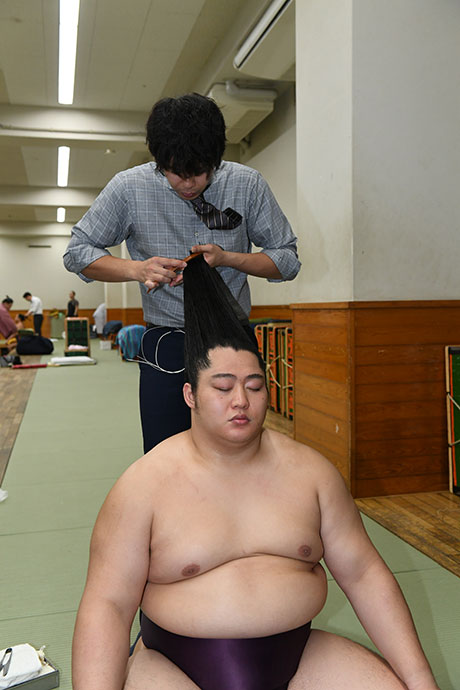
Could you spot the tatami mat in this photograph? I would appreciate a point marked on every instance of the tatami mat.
(80, 431)
(433, 595)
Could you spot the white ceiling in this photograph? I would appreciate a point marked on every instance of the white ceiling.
(130, 54)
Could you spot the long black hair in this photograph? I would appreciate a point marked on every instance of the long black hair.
(213, 318)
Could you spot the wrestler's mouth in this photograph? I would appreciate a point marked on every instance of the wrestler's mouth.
(240, 419)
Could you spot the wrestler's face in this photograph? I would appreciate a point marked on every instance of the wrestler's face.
(188, 187)
(230, 401)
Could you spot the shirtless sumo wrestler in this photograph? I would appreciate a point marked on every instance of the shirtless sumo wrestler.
(218, 533)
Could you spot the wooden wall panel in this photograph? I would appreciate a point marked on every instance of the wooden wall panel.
(399, 356)
(387, 358)
(324, 396)
(128, 317)
(389, 486)
(322, 383)
(388, 392)
(271, 311)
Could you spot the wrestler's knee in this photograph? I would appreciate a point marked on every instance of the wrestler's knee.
(333, 662)
(150, 670)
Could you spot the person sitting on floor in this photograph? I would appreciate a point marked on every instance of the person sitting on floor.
(218, 533)
(8, 327)
(20, 322)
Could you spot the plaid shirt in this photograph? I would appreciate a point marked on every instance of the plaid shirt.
(138, 205)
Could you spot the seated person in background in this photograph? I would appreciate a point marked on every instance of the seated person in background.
(217, 534)
(20, 321)
(8, 327)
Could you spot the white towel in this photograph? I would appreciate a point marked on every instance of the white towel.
(25, 664)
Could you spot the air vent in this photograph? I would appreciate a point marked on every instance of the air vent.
(243, 109)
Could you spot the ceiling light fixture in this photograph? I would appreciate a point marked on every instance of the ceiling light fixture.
(63, 166)
(60, 215)
(68, 29)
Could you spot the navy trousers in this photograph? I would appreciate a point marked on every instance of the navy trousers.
(38, 320)
(162, 406)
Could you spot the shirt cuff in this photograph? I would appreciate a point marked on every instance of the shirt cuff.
(286, 262)
(76, 264)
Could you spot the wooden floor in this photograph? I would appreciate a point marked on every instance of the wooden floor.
(428, 521)
(15, 386)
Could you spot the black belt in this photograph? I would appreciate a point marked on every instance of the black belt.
(155, 325)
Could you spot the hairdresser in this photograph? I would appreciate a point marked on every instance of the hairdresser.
(187, 201)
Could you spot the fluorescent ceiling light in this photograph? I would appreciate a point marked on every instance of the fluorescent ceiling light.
(63, 166)
(60, 214)
(68, 29)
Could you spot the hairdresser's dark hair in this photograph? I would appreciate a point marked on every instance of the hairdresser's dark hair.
(186, 134)
(7, 300)
(27, 294)
(213, 318)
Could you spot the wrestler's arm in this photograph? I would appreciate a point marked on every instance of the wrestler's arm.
(368, 583)
(117, 573)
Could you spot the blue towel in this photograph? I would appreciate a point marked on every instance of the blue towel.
(129, 340)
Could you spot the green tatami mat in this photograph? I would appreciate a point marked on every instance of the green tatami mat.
(85, 440)
(70, 464)
(70, 505)
(80, 431)
(55, 631)
(433, 597)
(397, 554)
(43, 572)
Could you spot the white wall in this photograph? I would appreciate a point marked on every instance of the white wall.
(324, 163)
(406, 149)
(272, 151)
(378, 151)
(41, 272)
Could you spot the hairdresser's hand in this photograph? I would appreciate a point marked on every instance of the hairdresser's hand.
(158, 269)
(213, 254)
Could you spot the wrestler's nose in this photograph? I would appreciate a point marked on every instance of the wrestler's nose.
(240, 397)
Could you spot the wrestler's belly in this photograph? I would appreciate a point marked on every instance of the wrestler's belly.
(248, 597)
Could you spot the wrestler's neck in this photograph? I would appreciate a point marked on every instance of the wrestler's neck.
(216, 451)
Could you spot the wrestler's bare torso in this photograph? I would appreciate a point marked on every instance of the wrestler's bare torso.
(233, 552)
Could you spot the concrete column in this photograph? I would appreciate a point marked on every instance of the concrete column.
(378, 151)
(324, 149)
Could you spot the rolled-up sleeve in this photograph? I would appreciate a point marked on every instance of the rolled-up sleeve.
(103, 225)
(270, 229)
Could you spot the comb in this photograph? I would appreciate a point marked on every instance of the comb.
(187, 259)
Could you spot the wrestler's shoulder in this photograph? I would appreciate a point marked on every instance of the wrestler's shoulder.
(160, 459)
(304, 455)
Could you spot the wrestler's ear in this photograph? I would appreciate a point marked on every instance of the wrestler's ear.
(188, 395)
